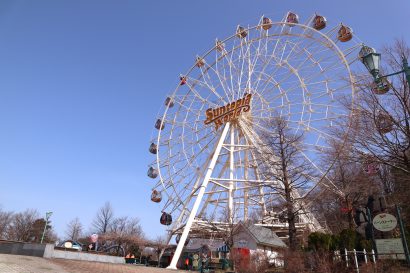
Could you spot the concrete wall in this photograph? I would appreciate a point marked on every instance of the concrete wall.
(20, 248)
(50, 252)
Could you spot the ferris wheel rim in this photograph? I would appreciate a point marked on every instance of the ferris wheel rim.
(340, 54)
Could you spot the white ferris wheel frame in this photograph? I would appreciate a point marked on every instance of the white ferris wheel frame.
(198, 191)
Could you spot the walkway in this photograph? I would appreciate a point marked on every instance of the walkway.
(28, 264)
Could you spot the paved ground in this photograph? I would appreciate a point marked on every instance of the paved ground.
(27, 264)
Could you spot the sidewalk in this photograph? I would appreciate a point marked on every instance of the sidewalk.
(28, 264)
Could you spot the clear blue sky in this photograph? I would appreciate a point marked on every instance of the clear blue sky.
(81, 82)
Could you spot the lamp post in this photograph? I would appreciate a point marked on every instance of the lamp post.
(372, 63)
(48, 215)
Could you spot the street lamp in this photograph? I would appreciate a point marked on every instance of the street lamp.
(48, 215)
(372, 62)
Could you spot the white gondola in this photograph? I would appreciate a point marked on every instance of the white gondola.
(166, 219)
(169, 102)
(364, 51)
(153, 149)
(178, 237)
(159, 124)
(152, 172)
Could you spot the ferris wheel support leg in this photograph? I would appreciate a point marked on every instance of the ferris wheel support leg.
(231, 175)
(198, 199)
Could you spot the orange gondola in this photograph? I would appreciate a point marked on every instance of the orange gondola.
(344, 34)
(219, 46)
(384, 123)
(199, 62)
(266, 23)
(182, 80)
(370, 165)
(381, 87)
(241, 32)
(319, 22)
(156, 196)
(292, 18)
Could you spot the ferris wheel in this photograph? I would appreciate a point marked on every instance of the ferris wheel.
(204, 163)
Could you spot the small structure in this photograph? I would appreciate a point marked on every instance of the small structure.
(249, 239)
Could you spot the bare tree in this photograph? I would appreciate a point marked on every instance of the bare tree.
(22, 225)
(125, 232)
(382, 121)
(6, 218)
(74, 229)
(354, 186)
(280, 160)
(104, 218)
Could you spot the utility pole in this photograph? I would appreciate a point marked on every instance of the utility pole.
(48, 215)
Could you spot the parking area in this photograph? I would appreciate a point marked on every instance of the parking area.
(28, 264)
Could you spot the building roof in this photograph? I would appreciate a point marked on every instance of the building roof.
(264, 236)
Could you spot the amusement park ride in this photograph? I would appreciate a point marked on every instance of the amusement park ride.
(206, 170)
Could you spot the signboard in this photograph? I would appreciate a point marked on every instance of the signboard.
(390, 249)
(384, 222)
(229, 112)
(242, 243)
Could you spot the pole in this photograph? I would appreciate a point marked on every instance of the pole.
(406, 69)
(48, 214)
(231, 177)
(370, 223)
(198, 199)
(403, 236)
(356, 264)
(347, 258)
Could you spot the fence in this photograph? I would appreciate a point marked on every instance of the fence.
(353, 257)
